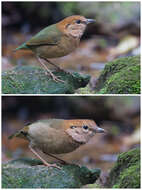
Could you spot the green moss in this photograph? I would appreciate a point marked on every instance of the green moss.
(32, 80)
(121, 76)
(27, 173)
(128, 179)
(85, 90)
(94, 186)
(126, 171)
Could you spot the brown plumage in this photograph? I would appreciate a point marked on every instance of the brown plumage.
(58, 136)
(57, 40)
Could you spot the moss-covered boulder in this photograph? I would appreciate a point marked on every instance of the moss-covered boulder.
(33, 80)
(121, 76)
(29, 173)
(126, 171)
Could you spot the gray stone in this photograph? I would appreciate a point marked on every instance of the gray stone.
(28, 173)
(33, 80)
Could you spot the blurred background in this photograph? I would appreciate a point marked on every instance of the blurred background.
(119, 116)
(116, 32)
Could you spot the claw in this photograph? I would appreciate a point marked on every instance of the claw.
(56, 79)
(52, 165)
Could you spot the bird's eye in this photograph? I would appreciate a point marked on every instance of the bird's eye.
(23, 133)
(85, 127)
(72, 127)
(78, 21)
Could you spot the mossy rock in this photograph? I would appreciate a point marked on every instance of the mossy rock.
(121, 76)
(33, 80)
(28, 173)
(126, 171)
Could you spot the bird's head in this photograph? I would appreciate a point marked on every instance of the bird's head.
(74, 25)
(82, 130)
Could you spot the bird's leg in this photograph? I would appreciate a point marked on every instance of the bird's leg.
(43, 66)
(57, 67)
(47, 71)
(44, 162)
(63, 162)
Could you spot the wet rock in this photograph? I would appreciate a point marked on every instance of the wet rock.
(33, 80)
(27, 173)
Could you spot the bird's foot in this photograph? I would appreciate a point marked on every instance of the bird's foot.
(43, 161)
(54, 78)
(56, 66)
(52, 165)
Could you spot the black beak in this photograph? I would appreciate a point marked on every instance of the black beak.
(90, 21)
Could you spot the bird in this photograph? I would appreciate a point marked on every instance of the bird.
(57, 40)
(57, 136)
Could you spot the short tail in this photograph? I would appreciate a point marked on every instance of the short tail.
(23, 46)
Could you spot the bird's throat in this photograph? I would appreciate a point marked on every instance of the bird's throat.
(76, 33)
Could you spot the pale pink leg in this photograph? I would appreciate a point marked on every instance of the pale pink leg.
(64, 162)
(47, 71)
(44, 162)
(57, 67)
